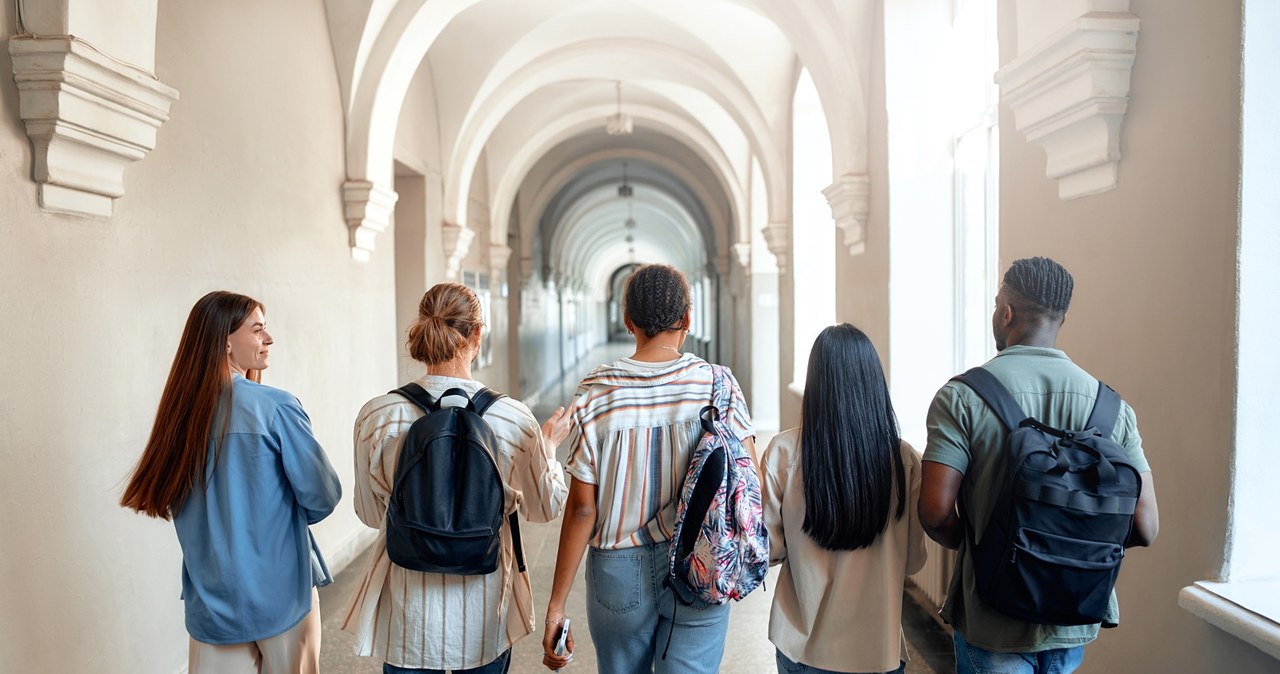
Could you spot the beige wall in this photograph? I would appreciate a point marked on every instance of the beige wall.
(1153, 313)
(242, 193)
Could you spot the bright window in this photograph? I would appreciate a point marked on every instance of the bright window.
(813, 234)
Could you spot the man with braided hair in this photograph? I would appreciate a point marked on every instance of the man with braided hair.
(965, 460)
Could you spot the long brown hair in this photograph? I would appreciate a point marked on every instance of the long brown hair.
(177, 452)
(448, 316)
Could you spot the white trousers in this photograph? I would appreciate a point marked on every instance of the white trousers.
(296, 651)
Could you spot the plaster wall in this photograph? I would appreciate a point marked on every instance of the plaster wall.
(1153, 312)
(242, 193)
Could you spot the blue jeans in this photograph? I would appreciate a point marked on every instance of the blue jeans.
(630, 615)
(499, 666)
(971, 659)
(788, 666)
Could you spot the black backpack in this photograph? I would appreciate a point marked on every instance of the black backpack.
(446, 508)
(1052, 547)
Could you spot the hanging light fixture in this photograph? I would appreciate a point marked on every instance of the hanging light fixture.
(624, 190)
(619, 123)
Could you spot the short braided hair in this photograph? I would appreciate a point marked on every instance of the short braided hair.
(1043, 285)
(656, 298)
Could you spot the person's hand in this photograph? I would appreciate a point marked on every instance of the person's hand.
(550, 635)
(556, 429)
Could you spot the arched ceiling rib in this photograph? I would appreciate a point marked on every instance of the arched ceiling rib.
(717, 75)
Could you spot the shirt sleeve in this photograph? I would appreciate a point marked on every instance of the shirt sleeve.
(740, 420)
(582, 455)
(948, 429)
(773, 501)
(315, 484)
(1126, 434)
(916, 553)
(536, 473)
(375, 439)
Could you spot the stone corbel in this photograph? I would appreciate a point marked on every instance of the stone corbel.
(498, 258)
(527, 268)
(456, 241)
(369, 208)
(849, 198)
(742, 254)
(1069, 95)
(719, 265)
(88, 115)
(777, 236)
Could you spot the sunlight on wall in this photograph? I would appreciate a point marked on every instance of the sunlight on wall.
(812, 227)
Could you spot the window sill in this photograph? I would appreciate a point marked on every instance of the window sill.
(1248, 610)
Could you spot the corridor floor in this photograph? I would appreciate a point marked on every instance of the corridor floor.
(747, 650)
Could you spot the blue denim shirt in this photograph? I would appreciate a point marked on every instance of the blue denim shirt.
(249, 560)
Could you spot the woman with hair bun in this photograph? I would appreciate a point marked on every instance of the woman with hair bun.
(433, 622)
(234, 464)
(635, 425)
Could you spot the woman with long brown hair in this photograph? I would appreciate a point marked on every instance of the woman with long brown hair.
(424, 621)
(234, 464)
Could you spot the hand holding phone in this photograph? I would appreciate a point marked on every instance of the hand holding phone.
(562, 640)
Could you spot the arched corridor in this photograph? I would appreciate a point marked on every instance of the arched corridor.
(802, 162)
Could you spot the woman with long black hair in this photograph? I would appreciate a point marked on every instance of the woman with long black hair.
(840, 504)
(236, 467)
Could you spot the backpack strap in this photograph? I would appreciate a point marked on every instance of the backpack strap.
(995, 395)
(484, 398)
(481, 402)
(418, 396)
(1106, 410)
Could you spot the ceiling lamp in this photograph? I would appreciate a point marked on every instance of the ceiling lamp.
(619, 123)
(624, 190)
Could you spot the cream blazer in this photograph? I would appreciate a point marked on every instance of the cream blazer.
(837, 610)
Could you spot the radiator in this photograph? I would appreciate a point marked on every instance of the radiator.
(934, 579)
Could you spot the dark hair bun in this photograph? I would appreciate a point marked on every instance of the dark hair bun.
(656, 299)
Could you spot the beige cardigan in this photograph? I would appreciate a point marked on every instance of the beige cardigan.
(837, 610)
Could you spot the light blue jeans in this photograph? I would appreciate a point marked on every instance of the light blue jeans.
(630, 616)
(971, 659)
(788, 666)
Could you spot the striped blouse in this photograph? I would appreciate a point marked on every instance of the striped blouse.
(634, 428)
(436, 621)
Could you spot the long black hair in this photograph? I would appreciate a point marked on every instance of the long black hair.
(849, 443)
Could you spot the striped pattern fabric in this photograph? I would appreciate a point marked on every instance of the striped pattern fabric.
(635, 426)
(435, 621)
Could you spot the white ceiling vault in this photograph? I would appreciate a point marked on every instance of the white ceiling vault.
(525, 86)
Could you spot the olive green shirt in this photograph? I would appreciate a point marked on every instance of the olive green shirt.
(966, 435)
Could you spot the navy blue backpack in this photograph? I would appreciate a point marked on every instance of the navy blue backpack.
(1052, 548)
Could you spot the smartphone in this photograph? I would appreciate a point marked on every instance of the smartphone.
(562, 640)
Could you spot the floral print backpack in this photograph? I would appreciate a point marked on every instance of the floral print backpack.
(720, 549)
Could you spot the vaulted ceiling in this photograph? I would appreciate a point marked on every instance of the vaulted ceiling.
(526, 85)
